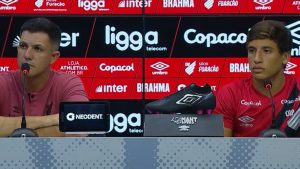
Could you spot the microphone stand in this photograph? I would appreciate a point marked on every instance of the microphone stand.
(272, 132)
(24, 131)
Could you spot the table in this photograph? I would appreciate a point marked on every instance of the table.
(150, 153)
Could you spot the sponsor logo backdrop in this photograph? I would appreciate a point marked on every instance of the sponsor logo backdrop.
(110, 52)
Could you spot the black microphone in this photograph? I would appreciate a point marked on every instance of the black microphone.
(23, 131)
(273, 131)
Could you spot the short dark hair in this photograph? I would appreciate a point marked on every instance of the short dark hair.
(43, 25)
(273, 30)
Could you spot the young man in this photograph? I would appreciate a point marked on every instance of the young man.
(44, 88)
(246, 104)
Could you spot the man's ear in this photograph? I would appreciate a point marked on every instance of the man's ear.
(286, 57)
(55, 56)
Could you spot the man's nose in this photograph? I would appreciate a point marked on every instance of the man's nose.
(27, 54)
(257, 57)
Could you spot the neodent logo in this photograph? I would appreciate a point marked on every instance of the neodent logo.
(71, 116)
(191, 37)
(133, 40)
(4, 68)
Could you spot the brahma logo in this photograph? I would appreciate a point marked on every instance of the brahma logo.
(178, 4)
(8, 2)
(295, 32)
(208, 4)
(134, 3)
(159, 66)
(288, 68)
(239, 67)
(190, 67)
(263, 4)
(189, 99)
(153, 87)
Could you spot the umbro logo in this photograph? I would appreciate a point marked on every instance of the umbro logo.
(246, 119)
(290, 66)
(8, 2)
(263, 2)
(159, 66)
(189, 99)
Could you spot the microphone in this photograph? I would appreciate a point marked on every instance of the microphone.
(273, 131)
(23, 131)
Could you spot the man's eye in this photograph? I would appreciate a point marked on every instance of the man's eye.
(267, 51)
(251, 50)
(22, 45)
(38, 49)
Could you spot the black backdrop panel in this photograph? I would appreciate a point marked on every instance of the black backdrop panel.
(75, 35)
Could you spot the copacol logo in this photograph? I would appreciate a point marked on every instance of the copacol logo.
(120, 122)
(133, 40)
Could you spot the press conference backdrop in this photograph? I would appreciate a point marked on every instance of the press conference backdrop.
(185, 41)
